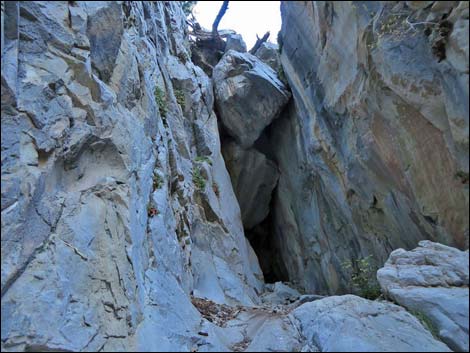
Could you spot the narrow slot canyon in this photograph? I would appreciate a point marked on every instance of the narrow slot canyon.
(261, 238)
(167, 188)
(245, 173)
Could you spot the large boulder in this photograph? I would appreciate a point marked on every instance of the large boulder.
(235, 42)
(352, 324)
(249, 95)
(433, 281)
(269, 54)
(253, 178)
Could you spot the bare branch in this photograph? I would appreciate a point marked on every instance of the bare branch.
(259, 41)
(217, 20)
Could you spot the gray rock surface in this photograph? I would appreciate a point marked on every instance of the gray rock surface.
(235, 42)
(280, 293)
(121, 229)
(269, 54)
(373, 151)
(253, 178)
(433, 281)
(105, 229)
(334, 324)
(248, 96)
(353, 324)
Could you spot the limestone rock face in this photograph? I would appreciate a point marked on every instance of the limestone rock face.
(373, 151)
(116, 203)
(253, 178)
(350, 323)
(248, 96)
(432, 280)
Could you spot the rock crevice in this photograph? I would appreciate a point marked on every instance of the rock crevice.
(151, 204)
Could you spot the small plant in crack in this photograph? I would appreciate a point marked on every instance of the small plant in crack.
(202, 159)
(198, 179)
(157, 181)
(179, 94)
(362, 277)
(281, 75)
(160, 98)
(426, 322)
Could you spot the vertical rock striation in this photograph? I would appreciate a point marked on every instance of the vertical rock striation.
(373, 150)
(116, 204)
(121, 228)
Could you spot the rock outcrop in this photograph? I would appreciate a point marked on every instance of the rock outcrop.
(373, 151)
(235, 42)
(116, 203)
(350, 323)
(269, 54)
(432, 280)
(124, 227)
(248, 96)
(334, 324)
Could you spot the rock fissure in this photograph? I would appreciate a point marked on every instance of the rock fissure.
(211, 199)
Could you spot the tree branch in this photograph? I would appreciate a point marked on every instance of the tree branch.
(217, 20)
(259, 41)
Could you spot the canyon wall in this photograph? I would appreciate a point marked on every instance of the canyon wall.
(116, 203)
(146, 200)
(373, 149)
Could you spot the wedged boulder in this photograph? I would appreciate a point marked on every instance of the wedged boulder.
(248, 95)
(269, 54)
(253, 178)
(235, 42)
(350, 323)
(433, 281)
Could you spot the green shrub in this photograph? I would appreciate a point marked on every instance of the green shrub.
(180, 98)
(198, 179)
(363, 277)
(160, 98)
(202, 159)
(157, 181)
